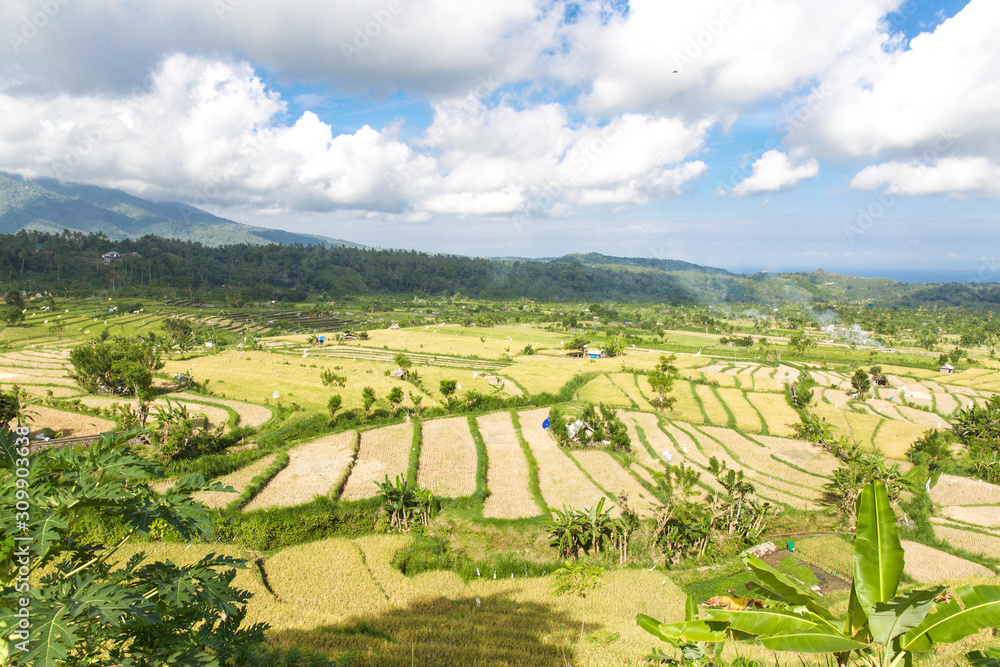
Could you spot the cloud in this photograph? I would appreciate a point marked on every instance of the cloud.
(928, 110)
(773, 172)
(424, 46)
(726, 53)
(956, 177)
(207, 132)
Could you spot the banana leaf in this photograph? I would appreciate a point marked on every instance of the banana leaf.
(878, 555)
(951, 622)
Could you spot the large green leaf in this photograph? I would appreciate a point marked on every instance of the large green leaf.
(820, 639)
(767, 621)
(988, 658)
(685, 632)
(878, 555)
(890, 619)
(951, 622)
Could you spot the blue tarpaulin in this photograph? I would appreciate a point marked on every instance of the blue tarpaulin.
(546, 423)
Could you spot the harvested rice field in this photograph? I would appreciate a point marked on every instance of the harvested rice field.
(894, 438)
(561, 481)
(955, 490)
(747, 418)
(713, 408)
(757, 458)
(314, 469)
(946, 403)
(65, 423)
(929, 565)
(778, 414)
(626, 382)
(601, 390)
(447, 458)
(986, 516)
(803, 454)
(507, 474)
(616, 480)
(250, 414)
(685, 405)
(969, 541)
(238, 480)
(383, 452)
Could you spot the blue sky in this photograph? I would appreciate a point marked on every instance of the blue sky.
(749, 134)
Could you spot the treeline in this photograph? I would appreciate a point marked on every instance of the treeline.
(72, 260)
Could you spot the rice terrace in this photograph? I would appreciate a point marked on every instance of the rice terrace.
(447, 480)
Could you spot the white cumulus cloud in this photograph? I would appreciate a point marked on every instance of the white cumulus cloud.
(773, 172)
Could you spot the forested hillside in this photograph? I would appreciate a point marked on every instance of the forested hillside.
(72, 261)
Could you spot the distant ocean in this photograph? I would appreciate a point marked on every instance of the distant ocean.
(915, 275)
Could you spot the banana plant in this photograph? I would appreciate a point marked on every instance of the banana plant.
(882, 629)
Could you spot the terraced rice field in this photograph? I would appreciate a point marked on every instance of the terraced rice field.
(616, 480)
(757, 458)
(447, 458)
(64, 422)
(778, 488)
(946, 403)
(626, 382)
(507, 474)
(382, 452)
(713, 408)
(685, 406)
(927, 419)
(560, 480)
(969, 541)
(321, 583)
(238, 480)
(314, 468)
(954, 490)
(639, 450)
(601, 390)
(927, 564)
(894, 438)
(985, 516)
(216, 415)
(803, 454)
(747, 418)
(250, 414)
(777, 413)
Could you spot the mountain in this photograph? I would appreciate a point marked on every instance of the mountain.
(52, 206)
(669, 265)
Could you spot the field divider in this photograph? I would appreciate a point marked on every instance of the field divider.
(414, 466)
(763, 478)
(256, 485)
(338, 486)
(730, 415)
(533, 483)
(687, 459)
(698, 402)
(569, 455)
(764, 430)
(482, 464)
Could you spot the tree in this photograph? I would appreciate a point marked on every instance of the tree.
(861, 383)
(333, 405)
(90, 608)
(368, 398)
(578, 343)
(448, 387)
(661, 379)
(800, 341)
(121, 366)
(402, 361)
(13, 312)
(395, 397)
(575, 578)
(881, 628)
(179, 333)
